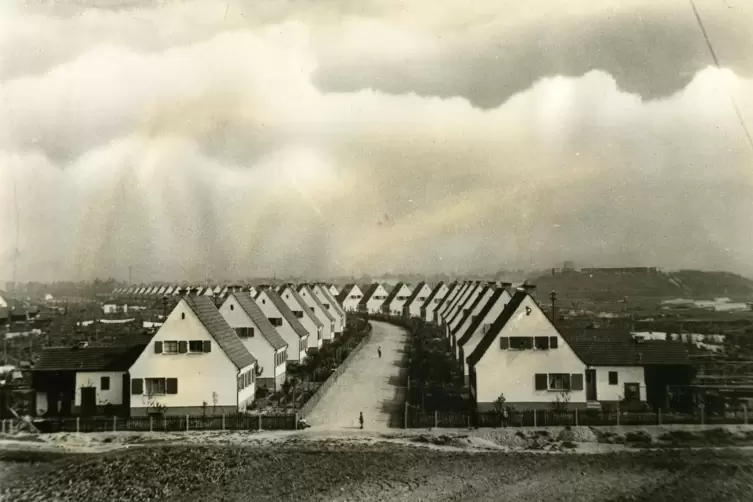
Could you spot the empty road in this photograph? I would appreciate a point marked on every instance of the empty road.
(370, 385)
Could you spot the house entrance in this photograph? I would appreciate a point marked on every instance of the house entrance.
(590, 385)
(88, 401)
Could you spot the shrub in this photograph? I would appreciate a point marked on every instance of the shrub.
(568, 444)
(638, 437)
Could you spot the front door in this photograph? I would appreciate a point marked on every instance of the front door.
(590, 385)
(88, 401)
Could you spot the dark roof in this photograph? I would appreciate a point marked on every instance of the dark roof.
(316, 301)
(118, 358)
(433, 293)
(615, 347)
(450, 297)
(304, 308)
(220, 330)
(331, 299)
(253, 311)
(345, 292)
(496, 327)
(394, 292)
(459, 314)
(462, 297)
(480, 317)
(472, 307)
(369, 293)
(286, 312)
(415, 293)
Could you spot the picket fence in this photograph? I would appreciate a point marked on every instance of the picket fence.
(418, 419)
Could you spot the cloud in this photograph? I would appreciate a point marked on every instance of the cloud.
(178, 139)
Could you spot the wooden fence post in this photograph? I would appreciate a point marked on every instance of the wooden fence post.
(259, 422)
(618, 414)
(405, 422)
(703, 418)
(576, 417)
(151, 424)
(296, 421)
(164, 422)
(745, 414)
(658, 416)
(78, 425)
(114, 422)
(223, 421)
(436, 419)
(187, 421)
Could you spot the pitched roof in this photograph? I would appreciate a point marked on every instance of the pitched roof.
(433, 294)
(460, 311)
(615, 347)
(496, 327)
(253, 311)
(461, 297)
(472, 307)
(286, 312)
(316, 300)
(304, 308)
(415, 293)
(119, 358)
(394, 292)
(369, 292)
(480, 317)
(450, 297)
(345, 292)
(220, 330)
(331, 299)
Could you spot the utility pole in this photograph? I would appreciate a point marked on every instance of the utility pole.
(553, 297)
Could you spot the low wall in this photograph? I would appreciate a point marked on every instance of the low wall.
(307, 408)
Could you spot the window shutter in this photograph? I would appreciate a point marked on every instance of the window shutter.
(158, 347)
(540, 381)
(528, 342)
(207, 346)
(566, 381)
(137, 386)
(553, 342)
(171, 385)
(576, 381)
(504, 343)
(182, 347)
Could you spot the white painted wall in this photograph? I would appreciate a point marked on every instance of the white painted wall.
(396, 305)
(461, 301)
(625, 374)
(114, 396)
(478, 334)
(374, 304)
(286, 331)
(512, 371)
(354, 297)
(259, 347)
(441, 313)
(429, 308)
(328, 330)
(314, 331)
(339, 320)
(460, 311)
(199, 375)
(414, 309)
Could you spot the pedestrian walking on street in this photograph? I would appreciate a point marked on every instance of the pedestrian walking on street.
(379, 351)
(360, 419)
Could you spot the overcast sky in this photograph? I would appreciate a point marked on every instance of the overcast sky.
(349, 137)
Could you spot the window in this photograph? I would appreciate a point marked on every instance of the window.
(559, 381)
(275, 321)
(298, 314)
(195, 346)
(541, 342)
(232, 307)
(245, 332)
(182, 315)
(521, 342)
(553, 342)
(613, 378)
(156, 386)
(170, 347)
(104, 383)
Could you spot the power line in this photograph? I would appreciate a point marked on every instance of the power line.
(716, 63)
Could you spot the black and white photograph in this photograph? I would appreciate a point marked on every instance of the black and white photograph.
(376, 250)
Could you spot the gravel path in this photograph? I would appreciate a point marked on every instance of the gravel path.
(370, 385)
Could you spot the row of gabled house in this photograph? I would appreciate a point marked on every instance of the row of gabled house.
(508, 346)
(175, 289)
(205, 357)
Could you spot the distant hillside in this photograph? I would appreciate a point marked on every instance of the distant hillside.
(617, 283)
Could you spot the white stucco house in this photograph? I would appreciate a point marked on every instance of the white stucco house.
(373, 298)
(412, 306)
(463, 308)
(316, 308)
(349, 297)
(303, 313)
(455, 304)
(469, 316)
(470, 338)
(84, 380)
(434, 299)
(285, 322)
(448, 300)
(194, 362)
(333, 290)
(331, 305)
(394, 302)
(524, 357)
(260, 338)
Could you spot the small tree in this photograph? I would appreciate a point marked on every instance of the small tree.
(561, 401)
